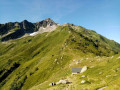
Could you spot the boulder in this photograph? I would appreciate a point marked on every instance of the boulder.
(118, 57)
(55, 60)
(73, 59)
(102, 88)
(77, 62)
(83, 76)
(92, 67)
(50, 84)
(83, 81)
(84, 69)
(62, 82)
(100, 72)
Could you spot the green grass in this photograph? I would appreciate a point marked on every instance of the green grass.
(109, 77)
(49, 57)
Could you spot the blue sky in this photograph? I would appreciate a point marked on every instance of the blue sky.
(103, 16)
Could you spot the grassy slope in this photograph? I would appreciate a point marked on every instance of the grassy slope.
(106, 72)
(47, 57)
(38, 52)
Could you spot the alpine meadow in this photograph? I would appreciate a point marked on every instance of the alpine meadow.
(59, 45)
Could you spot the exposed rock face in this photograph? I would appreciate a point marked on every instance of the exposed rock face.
(62, 82)
(28, 26)
(102, 88)
(13, 30)
(83, 76)
(48, 28)
(84, 69)
(45, 23)
(83, 81)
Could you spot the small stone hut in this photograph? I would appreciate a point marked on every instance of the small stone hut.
(76, 70)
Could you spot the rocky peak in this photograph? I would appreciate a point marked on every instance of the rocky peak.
(48, 19)
(25, 26)
(45, 23)
(25, 21)
(49, 22)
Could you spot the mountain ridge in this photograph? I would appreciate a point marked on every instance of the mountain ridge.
(32, 62)
(21, 28)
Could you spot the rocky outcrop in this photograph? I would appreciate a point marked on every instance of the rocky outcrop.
(102, 88)
(84, 69)
(62, 82)
(8, 31)
(83, 81)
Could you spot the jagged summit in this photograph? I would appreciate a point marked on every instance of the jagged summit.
(49, 19)
(45, 23)
(25, 20)
(14, 30)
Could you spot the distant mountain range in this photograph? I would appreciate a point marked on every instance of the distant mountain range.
(13, 30)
